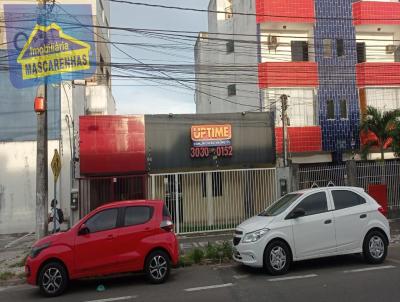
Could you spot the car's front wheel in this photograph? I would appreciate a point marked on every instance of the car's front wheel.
(157, 267)
(277, 258)
(375, 247)
(53, 279)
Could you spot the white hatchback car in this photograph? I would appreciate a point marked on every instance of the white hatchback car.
(310, 224)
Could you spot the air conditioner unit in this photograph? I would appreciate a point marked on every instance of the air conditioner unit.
(391, 49)
(272, 42)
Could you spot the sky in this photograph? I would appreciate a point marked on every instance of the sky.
(136, 99)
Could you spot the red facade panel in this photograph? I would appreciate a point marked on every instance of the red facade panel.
(378, 74)
(299, 11)
(379, 193)
(376, 12)
(112, 145)
(288, 74)
(301, 139)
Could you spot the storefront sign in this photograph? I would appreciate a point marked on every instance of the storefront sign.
(49, 45)
(211, 135)
(211, 140)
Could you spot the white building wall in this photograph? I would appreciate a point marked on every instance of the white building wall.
(18, 169)
(218, 69)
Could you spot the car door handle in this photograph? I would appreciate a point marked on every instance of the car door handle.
(363, 216)
(328, 221)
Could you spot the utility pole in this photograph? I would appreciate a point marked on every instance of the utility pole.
(41, 157)
(284, 99)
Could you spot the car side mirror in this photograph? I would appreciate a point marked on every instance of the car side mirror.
(298, 212)
(83, 230)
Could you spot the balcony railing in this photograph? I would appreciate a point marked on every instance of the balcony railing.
(378, 74)
(296, 11)
(288, 74)
(376, 12)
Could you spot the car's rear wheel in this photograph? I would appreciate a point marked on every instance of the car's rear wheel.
(53, 279)
(375, 247)
(277, 258)
(157, 267)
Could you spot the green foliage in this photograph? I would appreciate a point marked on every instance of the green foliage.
(185, 261)
(227, 250)
(382, 124)
(6, 275)
(211, 251)
(196, 255)
(20, 263)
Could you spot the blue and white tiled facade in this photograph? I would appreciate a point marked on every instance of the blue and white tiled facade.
(337, 75)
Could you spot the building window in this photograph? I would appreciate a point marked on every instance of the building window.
(343, 109)
(216, 183)
(230, 46)
(330, 110)
(361, 52)
(228, 10)
(327, 43)
(340, 47)
(299, 50)
(231, 90)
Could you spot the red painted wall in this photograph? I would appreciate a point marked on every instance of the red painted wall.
(378, 74)
(301, 139)
(300, 11)
(288, 74)
(112, 145)
(372, 12)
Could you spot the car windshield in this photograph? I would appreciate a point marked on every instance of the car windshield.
(280, 205)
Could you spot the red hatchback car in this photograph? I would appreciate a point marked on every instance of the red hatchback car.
(119, 237)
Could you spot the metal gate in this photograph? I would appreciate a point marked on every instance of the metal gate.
(387, 172)
(322, 175)
(213, 200)
(96, 191)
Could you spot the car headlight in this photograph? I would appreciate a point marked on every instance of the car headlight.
(254, 236)
(37, 249)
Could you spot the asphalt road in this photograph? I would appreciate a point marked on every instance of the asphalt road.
(345, 278)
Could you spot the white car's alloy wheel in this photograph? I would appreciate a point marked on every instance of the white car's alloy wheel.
(277, 258)
(376, 247)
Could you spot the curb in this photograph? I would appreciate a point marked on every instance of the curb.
(12, 282)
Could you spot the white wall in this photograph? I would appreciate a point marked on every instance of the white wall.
(100, 100)
(283, 52)
(239, 67)
(18, 169)
(384, 98)
(18, 185)
(375, 44)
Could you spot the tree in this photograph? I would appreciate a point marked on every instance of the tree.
(381, 129)
(396, 139)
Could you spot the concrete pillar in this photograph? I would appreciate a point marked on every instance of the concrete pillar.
(295, 177)
(351, 171)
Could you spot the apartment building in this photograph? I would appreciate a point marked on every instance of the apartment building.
(332, 58)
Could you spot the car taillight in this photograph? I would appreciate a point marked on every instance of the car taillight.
(167, 225)
(382, 210)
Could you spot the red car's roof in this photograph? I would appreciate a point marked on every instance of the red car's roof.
(125, 203)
